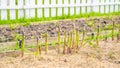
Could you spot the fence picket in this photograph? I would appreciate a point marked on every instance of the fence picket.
(88, 8)
(27, 11)
(112, 6)
(0, 11)
(53, 10)
(96, 8)
(78, 8)
(20, 11)
(12, 12)
(59, 8)
(32, 11)
(102, 7)
(40, 9)
(83, 7)
(72, 8)
(116, 6)
(107, 7)
(66, 8)
(47, 10)
(4, 12)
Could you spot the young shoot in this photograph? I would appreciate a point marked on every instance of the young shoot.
(83, 35)
(23, 44)
(71, 38)
(68, 43)
(97, 37)
(113, 30)
(65, 43)
(19, 40)
(38, 48)
(92, 35)
(59, 39)
(74, 38)
(104, 26)
(118, 35)
(46, 43)
(77, 40)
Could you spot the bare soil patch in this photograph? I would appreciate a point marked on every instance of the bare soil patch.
(107, 55)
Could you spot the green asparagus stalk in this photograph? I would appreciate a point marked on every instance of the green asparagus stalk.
(113, 30)
(118, 35)
(71, 38)
(23, 44)
(74, 38)
(69, 43)
(97, 37)
(92, 36)
(83, 36)
(38, 48)
(59, 39)
(65, 43)
(77, 40)
(46, 43)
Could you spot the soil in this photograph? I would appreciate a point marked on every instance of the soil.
(9, 33)
(107, 55)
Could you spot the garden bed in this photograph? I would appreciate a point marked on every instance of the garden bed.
(10, 33)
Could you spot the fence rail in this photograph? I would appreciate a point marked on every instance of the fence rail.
(16, 9)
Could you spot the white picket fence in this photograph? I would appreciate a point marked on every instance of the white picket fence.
(16, 9)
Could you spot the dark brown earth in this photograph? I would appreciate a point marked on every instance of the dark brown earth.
(9, 33)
